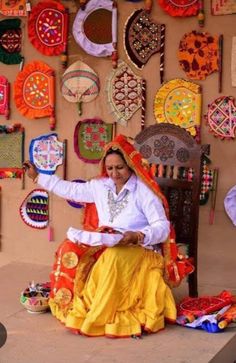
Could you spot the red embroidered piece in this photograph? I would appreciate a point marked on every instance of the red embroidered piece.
(4, 97)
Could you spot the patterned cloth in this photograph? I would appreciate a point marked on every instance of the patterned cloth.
(90, 137)
(199, 54)
(10, 41)
(221, 117)
(124, 89)
(223, 7)
(34, 92)
(4, 97)
(13, 7)
(179, 102)
(34, 210)
(46, 153)
(48, 27)
(180, 7)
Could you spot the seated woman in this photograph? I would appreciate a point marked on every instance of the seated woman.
(116, 287)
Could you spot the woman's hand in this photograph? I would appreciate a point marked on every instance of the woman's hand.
(132, 238)
(30, 170)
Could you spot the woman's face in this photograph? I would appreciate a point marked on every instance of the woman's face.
(117, 169)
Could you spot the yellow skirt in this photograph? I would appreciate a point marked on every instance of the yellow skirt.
(123, 295)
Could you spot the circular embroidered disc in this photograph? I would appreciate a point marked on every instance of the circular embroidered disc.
(34, 210)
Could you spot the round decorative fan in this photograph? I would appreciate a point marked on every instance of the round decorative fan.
(34, 210)
(180, 7)
(80, 84)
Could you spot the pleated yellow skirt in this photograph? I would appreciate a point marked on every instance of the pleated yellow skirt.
(123, 295)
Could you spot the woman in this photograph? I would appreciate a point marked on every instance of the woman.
(115, 291)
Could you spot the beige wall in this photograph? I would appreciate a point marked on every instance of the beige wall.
(217, 248)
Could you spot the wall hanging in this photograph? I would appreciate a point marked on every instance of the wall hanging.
(223, 7)
(46, 153)
(48, 28)
(95, 29)
(179, 102)
(10, 41)
(13, 7)
(4, 97)
(34, 92)
(34, 210)
(90, 137)
(143, 38)
(221, 117)
(124, 90)
(80, 84)
(11, 151)
(182, 8)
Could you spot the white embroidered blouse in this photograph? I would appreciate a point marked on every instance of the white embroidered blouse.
(135, 208)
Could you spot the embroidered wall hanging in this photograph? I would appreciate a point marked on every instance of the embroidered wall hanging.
(124, 89)
(4, 97)
(199, 54)
(13, 7)
(180, 7)
(34, 92)
(95, 29)
(221, 117)
(34, 210)
(179, 102)
(80, 84)
(223, 7)
(143, 38)
(71, 202)
(233, 62)
(46, 152)
(10, 41)
(90, 137)
(48, 27)
(11, 151)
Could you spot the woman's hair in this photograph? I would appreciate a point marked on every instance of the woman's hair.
(115, 151)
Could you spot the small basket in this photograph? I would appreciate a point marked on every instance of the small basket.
(35, 298)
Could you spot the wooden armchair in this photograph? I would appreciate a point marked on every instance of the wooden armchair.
(176, 160)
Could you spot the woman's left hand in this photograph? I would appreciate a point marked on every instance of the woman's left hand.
(130, 238)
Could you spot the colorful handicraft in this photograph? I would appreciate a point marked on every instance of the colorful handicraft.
(10, 41)
(95, 29)
(80, 84)
(11, 151)
(124, 90)
(46, 153)
(180, 7)
(48, 27)
(13, 7)
(223, 7)
(221, 117)
(34, 92)
(143, 38)
(35, 209)
(199, 54)
(179, 102)
(4, 97)
(90, 137)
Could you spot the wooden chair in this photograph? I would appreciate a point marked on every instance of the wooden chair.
(176, 159)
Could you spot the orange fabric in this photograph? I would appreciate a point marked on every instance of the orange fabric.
(176, 265)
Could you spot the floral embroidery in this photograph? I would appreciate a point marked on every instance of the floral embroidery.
(115, 207)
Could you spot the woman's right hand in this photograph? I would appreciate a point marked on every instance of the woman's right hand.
(30, 170)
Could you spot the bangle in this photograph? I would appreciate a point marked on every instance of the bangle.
(35, 180)
(140, 238)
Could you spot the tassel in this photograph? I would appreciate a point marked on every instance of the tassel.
(50, 234)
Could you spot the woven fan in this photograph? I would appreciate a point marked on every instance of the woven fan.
(124, 89)
(221, 117)
(13, 7)
(95, 29)
(143, 38)
(34, 92)
(10, 41)
(90, 137)
(179, 102)
(46, 153)
(80, 84)
(180, 7)
(4, 97)
(34, 210)
(48, 27)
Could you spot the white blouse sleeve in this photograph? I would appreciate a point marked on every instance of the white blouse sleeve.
(158, 227)
(78, 192)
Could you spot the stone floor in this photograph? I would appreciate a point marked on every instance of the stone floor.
(39, 338)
